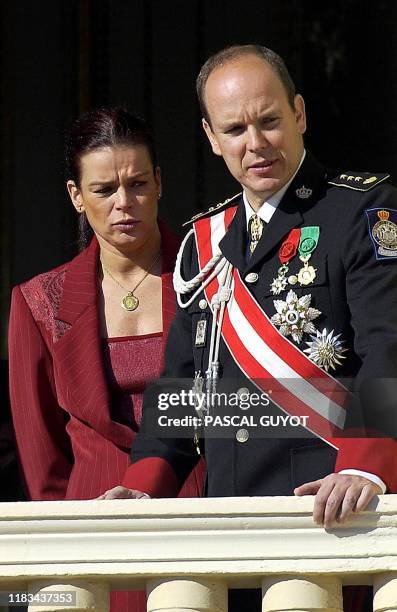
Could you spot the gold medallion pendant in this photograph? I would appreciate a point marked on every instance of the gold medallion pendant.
(129, 302)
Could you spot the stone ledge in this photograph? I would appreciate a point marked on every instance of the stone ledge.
(240, 539)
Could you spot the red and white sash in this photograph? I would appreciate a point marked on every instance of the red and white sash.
(273, 363)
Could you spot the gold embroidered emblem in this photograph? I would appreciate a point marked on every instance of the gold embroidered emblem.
(384, 233)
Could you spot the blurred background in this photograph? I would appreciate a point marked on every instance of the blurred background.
(61, 58)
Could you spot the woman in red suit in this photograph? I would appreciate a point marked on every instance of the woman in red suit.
(86, 337)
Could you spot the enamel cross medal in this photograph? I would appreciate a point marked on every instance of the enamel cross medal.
(286, 253)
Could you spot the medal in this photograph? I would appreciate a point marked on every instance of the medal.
(307, 245)
(307, 274)
(286, 253)
(294, 316)
(280, 283)
(326, 349)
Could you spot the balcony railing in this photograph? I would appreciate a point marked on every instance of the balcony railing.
(188, 552)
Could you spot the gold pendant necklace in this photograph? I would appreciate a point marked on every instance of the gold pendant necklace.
(129, 301)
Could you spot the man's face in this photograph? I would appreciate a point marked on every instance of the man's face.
(253, 126)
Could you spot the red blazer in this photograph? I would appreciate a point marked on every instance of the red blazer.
(68, 445)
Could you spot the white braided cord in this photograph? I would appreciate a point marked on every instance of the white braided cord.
(224, 295)
(223, 269)
(182, 286)
(218, 305)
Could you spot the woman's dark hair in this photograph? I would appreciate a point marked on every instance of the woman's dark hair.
(96, 129)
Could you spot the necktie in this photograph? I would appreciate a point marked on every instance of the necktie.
(255, 228)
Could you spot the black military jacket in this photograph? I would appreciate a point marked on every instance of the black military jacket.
(357, 295)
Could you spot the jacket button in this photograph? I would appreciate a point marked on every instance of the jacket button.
(242, 435)
(203, 304)
(243, 392)
(252, 277)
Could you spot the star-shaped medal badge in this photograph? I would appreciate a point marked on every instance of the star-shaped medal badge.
(326, 349)
(278, 285)
(294, 316)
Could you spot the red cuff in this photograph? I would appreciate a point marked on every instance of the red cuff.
(153, 476)
(375, 455)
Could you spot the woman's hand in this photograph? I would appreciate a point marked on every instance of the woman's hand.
(120, 492)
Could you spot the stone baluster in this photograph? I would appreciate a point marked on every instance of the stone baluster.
(93, 596)
(186, 595)
(385, 592)
(302, 594)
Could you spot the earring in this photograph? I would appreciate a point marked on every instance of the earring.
(159, 195)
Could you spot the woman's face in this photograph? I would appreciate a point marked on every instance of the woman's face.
(118, 192)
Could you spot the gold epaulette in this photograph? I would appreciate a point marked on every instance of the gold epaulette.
(363, 181)
(212, 209)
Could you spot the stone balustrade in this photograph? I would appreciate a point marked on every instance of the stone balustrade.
(188, 552)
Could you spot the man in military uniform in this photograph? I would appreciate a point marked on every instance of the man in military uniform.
(306, 289)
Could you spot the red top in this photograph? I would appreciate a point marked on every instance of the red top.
(131, 362)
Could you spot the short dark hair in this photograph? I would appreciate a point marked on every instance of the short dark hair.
(234, 52)
(96, 129)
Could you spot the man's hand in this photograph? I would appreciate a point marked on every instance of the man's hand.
(337, 496)
(123, 493)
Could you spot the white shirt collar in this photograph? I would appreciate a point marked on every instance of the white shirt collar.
(268, 208)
